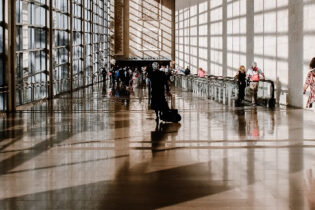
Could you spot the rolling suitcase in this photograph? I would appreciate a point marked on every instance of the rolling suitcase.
(171, 115)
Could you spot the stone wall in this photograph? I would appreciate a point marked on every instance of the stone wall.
(221, 35)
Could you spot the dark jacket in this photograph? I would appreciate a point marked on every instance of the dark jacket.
(159, 85)
(187, 71)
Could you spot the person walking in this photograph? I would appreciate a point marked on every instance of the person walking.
(159, 86)
(104, 74)
(310, 82)
(112, 77)
(241, 82)
(253, 74)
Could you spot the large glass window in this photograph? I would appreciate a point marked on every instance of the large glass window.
(88, 42)
(61, 72)
(31, 57)
(90, 46)
(78, 58)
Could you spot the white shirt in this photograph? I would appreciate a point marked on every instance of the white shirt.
(250, 72)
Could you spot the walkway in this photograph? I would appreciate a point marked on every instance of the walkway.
(101, 150)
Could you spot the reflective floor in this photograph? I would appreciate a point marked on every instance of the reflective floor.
(101, 149)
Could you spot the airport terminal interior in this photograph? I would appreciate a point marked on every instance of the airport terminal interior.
(79, 123)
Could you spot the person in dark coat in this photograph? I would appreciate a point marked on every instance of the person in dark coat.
(159, 85)
(187, 71)
(112, 77)
(104, 74)
(241, 81)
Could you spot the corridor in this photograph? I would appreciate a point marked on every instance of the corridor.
(101, 149)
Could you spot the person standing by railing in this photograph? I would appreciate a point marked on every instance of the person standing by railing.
(201, 73)
(253, 74)
(310, 82)
(187, 71)
(241, 82)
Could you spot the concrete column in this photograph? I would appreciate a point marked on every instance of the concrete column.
(209, 38)
(126, 28)
(249, 32)
(11, 52)
(198, 65)
(295, 59)
(173, 56)
(224, 38)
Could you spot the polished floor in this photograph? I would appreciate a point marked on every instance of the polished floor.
(101, 149)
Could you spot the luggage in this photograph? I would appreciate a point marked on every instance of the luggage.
(170, 115)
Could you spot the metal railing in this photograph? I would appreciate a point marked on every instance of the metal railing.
(224, 90)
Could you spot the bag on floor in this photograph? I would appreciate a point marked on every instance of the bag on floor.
(170, 115)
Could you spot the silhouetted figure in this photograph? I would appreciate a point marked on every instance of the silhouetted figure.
(158, 87)
(187, 71)
(104, 74)
(241, 82)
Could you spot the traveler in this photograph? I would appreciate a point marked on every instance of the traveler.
(241, 81)
(104, 74)
(187, 71)
(162, 68)
(117, 76)
(112, 77)
(158, 87)
(135, 78)
(310, 82)
(201, 73)
(253, 74)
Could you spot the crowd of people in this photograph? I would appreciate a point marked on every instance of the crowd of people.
(131, 77)
(157, 79)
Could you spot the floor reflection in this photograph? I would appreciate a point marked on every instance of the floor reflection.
(162, 133)
(101, 148)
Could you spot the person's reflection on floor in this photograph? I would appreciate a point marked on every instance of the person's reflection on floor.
(104, 90)
(241, 122)
(309, 185)
(122, 94)
(252, 125)
(160, 135)
(271, 124)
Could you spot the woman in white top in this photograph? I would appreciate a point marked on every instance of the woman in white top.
(310, 82)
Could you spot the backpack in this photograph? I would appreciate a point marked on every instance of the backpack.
(117, 74)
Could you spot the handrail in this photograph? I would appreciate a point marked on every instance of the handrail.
(223, 89)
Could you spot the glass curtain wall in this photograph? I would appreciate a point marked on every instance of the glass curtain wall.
(90, 46)
(61, 54)
(78, 34)
(31, 66)
(106, 34)
(3, 85)
(88, 41)
(98, 39)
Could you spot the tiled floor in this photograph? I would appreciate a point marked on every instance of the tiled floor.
(101, 150)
